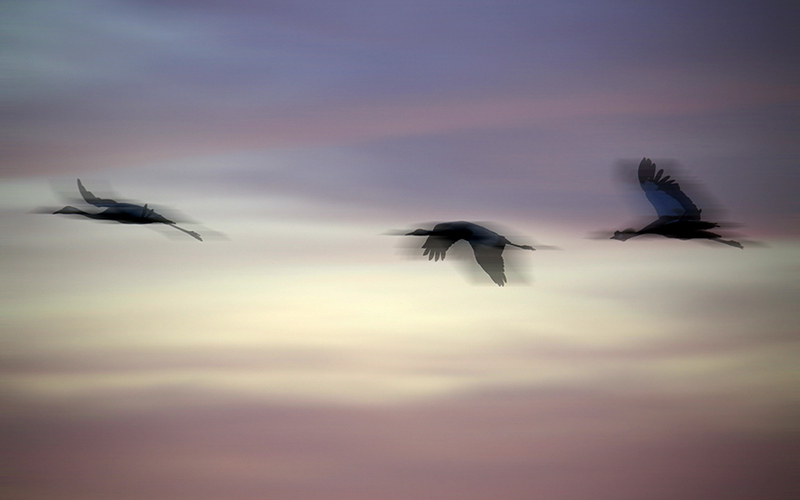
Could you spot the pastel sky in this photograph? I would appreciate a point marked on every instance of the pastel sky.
(306, 351)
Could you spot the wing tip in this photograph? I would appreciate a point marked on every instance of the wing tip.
(647, 170)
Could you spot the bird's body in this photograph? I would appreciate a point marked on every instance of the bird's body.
(486, 244)
(125, 213)
(678, 217)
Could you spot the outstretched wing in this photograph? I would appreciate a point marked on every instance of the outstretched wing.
(94, 200)
(491, 260)
(664, 193)
(436, 246)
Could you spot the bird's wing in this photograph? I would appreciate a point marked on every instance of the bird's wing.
(436, 246)
(664, 193)
(92, 199)
(491, 260)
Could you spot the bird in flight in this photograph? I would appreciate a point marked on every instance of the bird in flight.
(486, 244)
(125, 213)
(678, 217)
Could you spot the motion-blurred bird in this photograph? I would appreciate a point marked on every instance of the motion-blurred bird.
(486, 244)
(125, 213)
(678, 217)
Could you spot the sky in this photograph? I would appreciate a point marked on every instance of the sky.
(305, 349)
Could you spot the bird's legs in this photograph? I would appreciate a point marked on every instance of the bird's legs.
(732, 243)
(524, 247)
(190, 233)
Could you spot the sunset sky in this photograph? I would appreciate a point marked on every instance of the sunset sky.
(306, 351)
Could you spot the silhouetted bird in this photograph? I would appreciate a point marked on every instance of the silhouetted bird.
(678, 217)
(487, 245)
(125, 213)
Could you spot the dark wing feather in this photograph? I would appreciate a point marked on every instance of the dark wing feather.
(436, 246)
(138, 213)
(491, 260)
(664, 193)
(92, 199)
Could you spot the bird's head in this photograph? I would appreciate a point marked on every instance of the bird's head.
(623, 235)
(69, 210)
(419, 232)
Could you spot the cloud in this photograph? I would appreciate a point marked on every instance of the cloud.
(135, 82)
(510, 445)
(302, 357)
